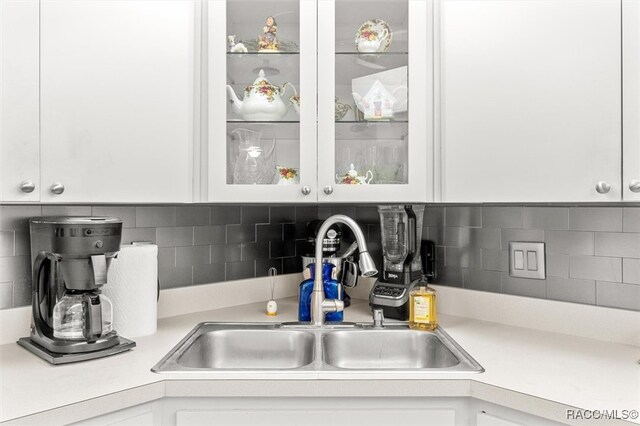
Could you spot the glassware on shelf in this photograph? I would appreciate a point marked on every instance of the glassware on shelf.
(255, 159)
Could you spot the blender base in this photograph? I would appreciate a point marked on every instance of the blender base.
(58, 358)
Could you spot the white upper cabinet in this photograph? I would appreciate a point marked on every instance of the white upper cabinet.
(19, 101)
(308, 141)
(261, 147)
(117, 100)
(375, 56)
(530, 100)
(631, 99)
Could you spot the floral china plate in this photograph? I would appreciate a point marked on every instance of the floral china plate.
(374, 36)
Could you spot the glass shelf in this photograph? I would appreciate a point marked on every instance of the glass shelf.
(274, 54)
(380, 54)
(243, 69)
(289, 130)
(371, 131)
(238, 121)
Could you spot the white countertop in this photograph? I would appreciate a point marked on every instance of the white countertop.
(535, 371)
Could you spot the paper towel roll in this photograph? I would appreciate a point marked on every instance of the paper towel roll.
(132, 286)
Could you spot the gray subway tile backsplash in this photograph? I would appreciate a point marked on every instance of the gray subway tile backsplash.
(569, 242)
(548, 218)
(571, 290)
(470, 216)
(7, 243)
(618, 295)
(618, 244)
(6, 294)
(592, 253)
(583, 245)
(66, 210)
(557, 265)
(631, 271)
(595, 219)
(193, 216)
(524, 286)
(631, 219)
(175, 236)
(596, 268)
(155, 216)
(502, 217)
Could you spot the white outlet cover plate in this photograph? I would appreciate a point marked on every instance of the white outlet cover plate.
(527, 260)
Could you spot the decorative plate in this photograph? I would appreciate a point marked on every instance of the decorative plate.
(374, 36)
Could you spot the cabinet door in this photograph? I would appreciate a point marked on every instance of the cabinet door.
(117, 100)
(529, 100)
(19, 114)
(262, 136)
(631, 99)
(375, 101)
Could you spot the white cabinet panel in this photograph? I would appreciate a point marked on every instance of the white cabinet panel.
(318, 417)
(117, 100)
(529, 100)
(631, 99)
(19, 101)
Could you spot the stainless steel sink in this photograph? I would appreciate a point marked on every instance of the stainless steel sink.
(386, 349)
(300, 347)
(220, 346)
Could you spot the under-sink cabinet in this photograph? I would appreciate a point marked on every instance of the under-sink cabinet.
(354, 410)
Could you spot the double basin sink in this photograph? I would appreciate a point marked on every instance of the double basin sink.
(212, 346)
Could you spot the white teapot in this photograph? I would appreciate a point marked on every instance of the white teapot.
(352, 177)
(262, 100)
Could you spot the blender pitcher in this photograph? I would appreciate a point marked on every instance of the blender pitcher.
(255, 160)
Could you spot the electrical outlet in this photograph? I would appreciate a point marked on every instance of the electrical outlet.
(526, 260)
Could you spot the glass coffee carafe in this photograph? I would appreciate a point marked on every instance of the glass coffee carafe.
(82, 315)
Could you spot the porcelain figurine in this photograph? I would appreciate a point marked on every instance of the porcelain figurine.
(268, 41)
(262, 100)
(378, 104)
(352, 177)
(373, 37)
(235, 47)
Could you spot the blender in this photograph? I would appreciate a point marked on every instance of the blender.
(401, 228)
(71, 318)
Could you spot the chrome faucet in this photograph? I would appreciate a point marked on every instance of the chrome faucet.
(320, 305)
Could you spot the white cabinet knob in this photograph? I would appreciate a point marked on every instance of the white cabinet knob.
(328, 190)
(57, 188)
(634, 185)
(27, 186)
(603, 187)
(305, 190)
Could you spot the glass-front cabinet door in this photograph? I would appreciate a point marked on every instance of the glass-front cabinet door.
(261, 98)
(375, 100)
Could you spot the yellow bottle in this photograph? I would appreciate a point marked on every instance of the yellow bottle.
(422, 309)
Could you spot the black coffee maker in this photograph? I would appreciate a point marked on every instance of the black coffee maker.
(71, 318)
